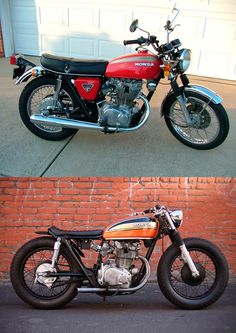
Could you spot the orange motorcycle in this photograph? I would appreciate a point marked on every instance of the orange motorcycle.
(47, 272)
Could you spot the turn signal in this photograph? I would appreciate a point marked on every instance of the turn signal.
(35, 72)
(167, 69)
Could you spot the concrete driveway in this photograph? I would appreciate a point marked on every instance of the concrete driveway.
(150, 151)
(145, 311)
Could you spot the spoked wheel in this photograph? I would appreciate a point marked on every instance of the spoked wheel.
(180, 287)
(30, 275)
(37, 98)
(209, 121)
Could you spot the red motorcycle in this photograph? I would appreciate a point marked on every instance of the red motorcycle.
(48, 271)
(68, 94)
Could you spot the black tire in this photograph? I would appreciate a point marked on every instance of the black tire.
(24, 265)
(210, 127)
(178, 285)
(47, 86)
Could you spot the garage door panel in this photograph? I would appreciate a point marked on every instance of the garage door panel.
(27, 44)
(51, 16)
(83, 47)
(24, 14)
(219, 28)
(54, 44)
(24, 28)
(110, 22)
(191, 27)
(216, 64)
(152, 22)
(110, 49)
(81, 19)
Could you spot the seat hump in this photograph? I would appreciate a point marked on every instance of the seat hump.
(73, 65)
(84, 234)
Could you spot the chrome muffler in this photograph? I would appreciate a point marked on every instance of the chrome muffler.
(119, 291)
(39, 119)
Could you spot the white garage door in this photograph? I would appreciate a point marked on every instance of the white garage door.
(96, 29)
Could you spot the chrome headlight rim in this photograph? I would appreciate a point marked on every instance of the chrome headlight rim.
(177, 217)
(184, 60)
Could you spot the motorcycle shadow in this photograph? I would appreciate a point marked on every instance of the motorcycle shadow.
(142, 301)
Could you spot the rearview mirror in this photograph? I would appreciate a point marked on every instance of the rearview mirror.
(133, 26)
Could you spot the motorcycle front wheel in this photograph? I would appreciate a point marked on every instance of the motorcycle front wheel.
(37, 98)
(180, 287)
(209, 121)
(34, 258)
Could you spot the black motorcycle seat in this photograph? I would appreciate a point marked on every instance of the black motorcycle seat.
(84, 234)
(73, 65)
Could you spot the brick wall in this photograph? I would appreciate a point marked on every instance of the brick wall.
(1, 43)
(29, 204)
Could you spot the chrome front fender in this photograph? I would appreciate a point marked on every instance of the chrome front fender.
(205, 92)
(26, 75)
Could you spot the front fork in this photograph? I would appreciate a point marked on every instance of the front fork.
(176, 238)
(180, 97)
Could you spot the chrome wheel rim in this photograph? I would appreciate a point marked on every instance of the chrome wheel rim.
(205, 126)
(38, 101)
(35, 286)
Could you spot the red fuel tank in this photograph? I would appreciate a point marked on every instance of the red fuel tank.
(141, 65)
(138, 228)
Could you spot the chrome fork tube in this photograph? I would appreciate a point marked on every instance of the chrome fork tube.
(187, 258)
(184, 109)
(181, 99)
(184, 251)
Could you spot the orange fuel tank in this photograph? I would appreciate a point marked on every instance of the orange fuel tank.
(137, 228)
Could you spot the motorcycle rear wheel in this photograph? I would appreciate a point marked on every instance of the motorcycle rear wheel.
(30, 257)
(210, 123)
(37, 95)
(180, 287)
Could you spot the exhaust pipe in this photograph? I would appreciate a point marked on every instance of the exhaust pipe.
(63, 122)
(119, 291)
(39, 119)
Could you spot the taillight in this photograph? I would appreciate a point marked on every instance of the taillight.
(13, 59)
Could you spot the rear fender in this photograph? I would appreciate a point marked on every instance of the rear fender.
(27, 74)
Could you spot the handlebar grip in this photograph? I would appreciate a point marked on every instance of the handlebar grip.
(132, 41)
(147, 211)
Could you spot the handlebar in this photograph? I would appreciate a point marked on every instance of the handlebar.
(148, 211)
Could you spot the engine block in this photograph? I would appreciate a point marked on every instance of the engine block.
(119, 267)
(110, 275)
(119, 106)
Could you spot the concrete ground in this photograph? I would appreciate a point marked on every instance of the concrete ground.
(150, 151)
(145, 311)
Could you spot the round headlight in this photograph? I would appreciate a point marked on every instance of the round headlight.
(184, 60)
(177, 217)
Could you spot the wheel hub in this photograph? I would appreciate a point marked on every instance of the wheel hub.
(187, 277)
(47, 106)
(201, 119)
(42, 272)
